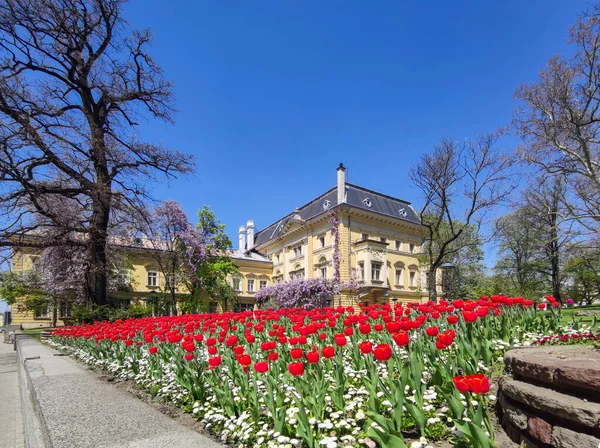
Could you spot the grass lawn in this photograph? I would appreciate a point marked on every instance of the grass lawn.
(569, 313)
(35, 332)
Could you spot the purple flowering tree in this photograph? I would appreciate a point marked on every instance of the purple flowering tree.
(168, 238)
(310, 293)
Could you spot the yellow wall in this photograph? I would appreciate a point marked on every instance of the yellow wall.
(353, 224)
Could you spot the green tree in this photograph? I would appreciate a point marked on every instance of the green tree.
(521, 262)
(208, 264)
(583, 270)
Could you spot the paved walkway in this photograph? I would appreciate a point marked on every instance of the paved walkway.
(81, 411)
(11, 417)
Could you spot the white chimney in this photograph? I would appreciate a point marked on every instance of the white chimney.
(242, 238)
(250, 227)
(341, 184)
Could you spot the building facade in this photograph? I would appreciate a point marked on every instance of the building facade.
(371, 239)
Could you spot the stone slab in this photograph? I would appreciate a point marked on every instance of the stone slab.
(564, 406)
(575, 366)
(78, 409)
(565, 438)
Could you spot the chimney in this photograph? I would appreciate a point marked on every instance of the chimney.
(250, 227)
(242, 238)
(341, 184)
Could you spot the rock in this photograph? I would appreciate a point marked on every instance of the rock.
(565, 438)
(540, 429)
(565, 406)
(567, 367)
(513, 415)
(587, 313)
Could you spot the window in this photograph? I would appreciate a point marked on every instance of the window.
(279, 280)
(322, 241)
(375, 271)
(365, 236)
(239, 307)
(361, 271)
(250, 285)
(262, 284)
(398, 245)
(277, 259)
(323, 272)
(65, 310)
(42, 311)
(399, 277)
(212, 307)
(152, 278)
(412, 279)
(297, 251)
(236, 284)
(411, 248)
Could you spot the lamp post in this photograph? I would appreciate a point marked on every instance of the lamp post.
(452, 266)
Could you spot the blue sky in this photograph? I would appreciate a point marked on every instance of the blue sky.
(272, 95)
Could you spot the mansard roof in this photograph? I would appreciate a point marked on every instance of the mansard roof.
(356, 196)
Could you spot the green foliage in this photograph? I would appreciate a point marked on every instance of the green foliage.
(583, 267)
(91, 313)
(17, 285)
(522, 264)
(211, 272)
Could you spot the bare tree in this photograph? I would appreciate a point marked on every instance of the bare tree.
(163, 230)
(559, 120)
(460, 183)
(74, 82)
(545, 201)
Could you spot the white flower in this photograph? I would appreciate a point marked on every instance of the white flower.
(416, 445)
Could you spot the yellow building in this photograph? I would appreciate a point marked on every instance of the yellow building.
(379, 239)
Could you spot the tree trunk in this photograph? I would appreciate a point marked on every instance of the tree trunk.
(432, 284)
(554, 253)
(98, 239)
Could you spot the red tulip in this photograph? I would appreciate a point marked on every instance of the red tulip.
(273, 356)
(432, 331)
(401, 339)
(296, 353)
(364, 329)
(327, 352)
(296, 368)
(189, 356)
(153, 350)
(312, 357)
(214, 362)
(340, 340)
(382, 352)
(478, 383)
(460, 382)
(245, 360)
(452, 319)
(366, 347)
(261, 367)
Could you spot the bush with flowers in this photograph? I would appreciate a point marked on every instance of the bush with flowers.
(384, 375)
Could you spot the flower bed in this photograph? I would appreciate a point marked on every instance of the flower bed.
(390, 376)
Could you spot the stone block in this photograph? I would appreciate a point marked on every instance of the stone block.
(565, 438)
(540, 429)
(564, 406)
(561, 366)
(512, 414)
